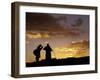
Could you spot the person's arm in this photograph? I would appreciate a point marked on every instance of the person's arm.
(51, 49)
(44, 48)
(41, 47)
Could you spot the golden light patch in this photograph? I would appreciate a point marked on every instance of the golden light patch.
(45, 36)
(37, 35)
(63, 52)
(63, 49)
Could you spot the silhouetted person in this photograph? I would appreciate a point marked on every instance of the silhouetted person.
(36, 52)
(48, 50)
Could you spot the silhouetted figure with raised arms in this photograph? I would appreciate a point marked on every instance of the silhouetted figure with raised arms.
(48, 50)
(36, 52)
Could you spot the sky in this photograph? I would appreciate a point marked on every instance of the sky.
(67, 34)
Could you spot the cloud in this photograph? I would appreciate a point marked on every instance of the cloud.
(78, 22)
(44, 34)
(52, 25)
(81, 44)
(40, 21)
(36, 35)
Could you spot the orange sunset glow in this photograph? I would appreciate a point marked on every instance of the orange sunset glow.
(67, 35)
(74, 49)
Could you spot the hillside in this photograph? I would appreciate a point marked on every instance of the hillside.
(57, 62)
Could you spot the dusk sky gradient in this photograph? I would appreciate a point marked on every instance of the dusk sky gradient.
(61, 31)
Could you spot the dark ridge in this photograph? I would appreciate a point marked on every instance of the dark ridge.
(58, 62)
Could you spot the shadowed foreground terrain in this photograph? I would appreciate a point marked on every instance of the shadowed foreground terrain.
(57, 62)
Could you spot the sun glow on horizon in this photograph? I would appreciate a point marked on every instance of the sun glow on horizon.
(65, 52)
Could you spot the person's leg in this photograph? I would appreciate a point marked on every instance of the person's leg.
(37, 59)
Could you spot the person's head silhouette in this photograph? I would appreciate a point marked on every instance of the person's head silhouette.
(48, 44)
(39, 46)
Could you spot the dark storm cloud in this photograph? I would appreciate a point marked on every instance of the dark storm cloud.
(78, 22)
(40, 21)
(54, 24)
(61, 19)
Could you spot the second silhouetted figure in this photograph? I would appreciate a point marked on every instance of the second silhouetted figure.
(48, 50)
